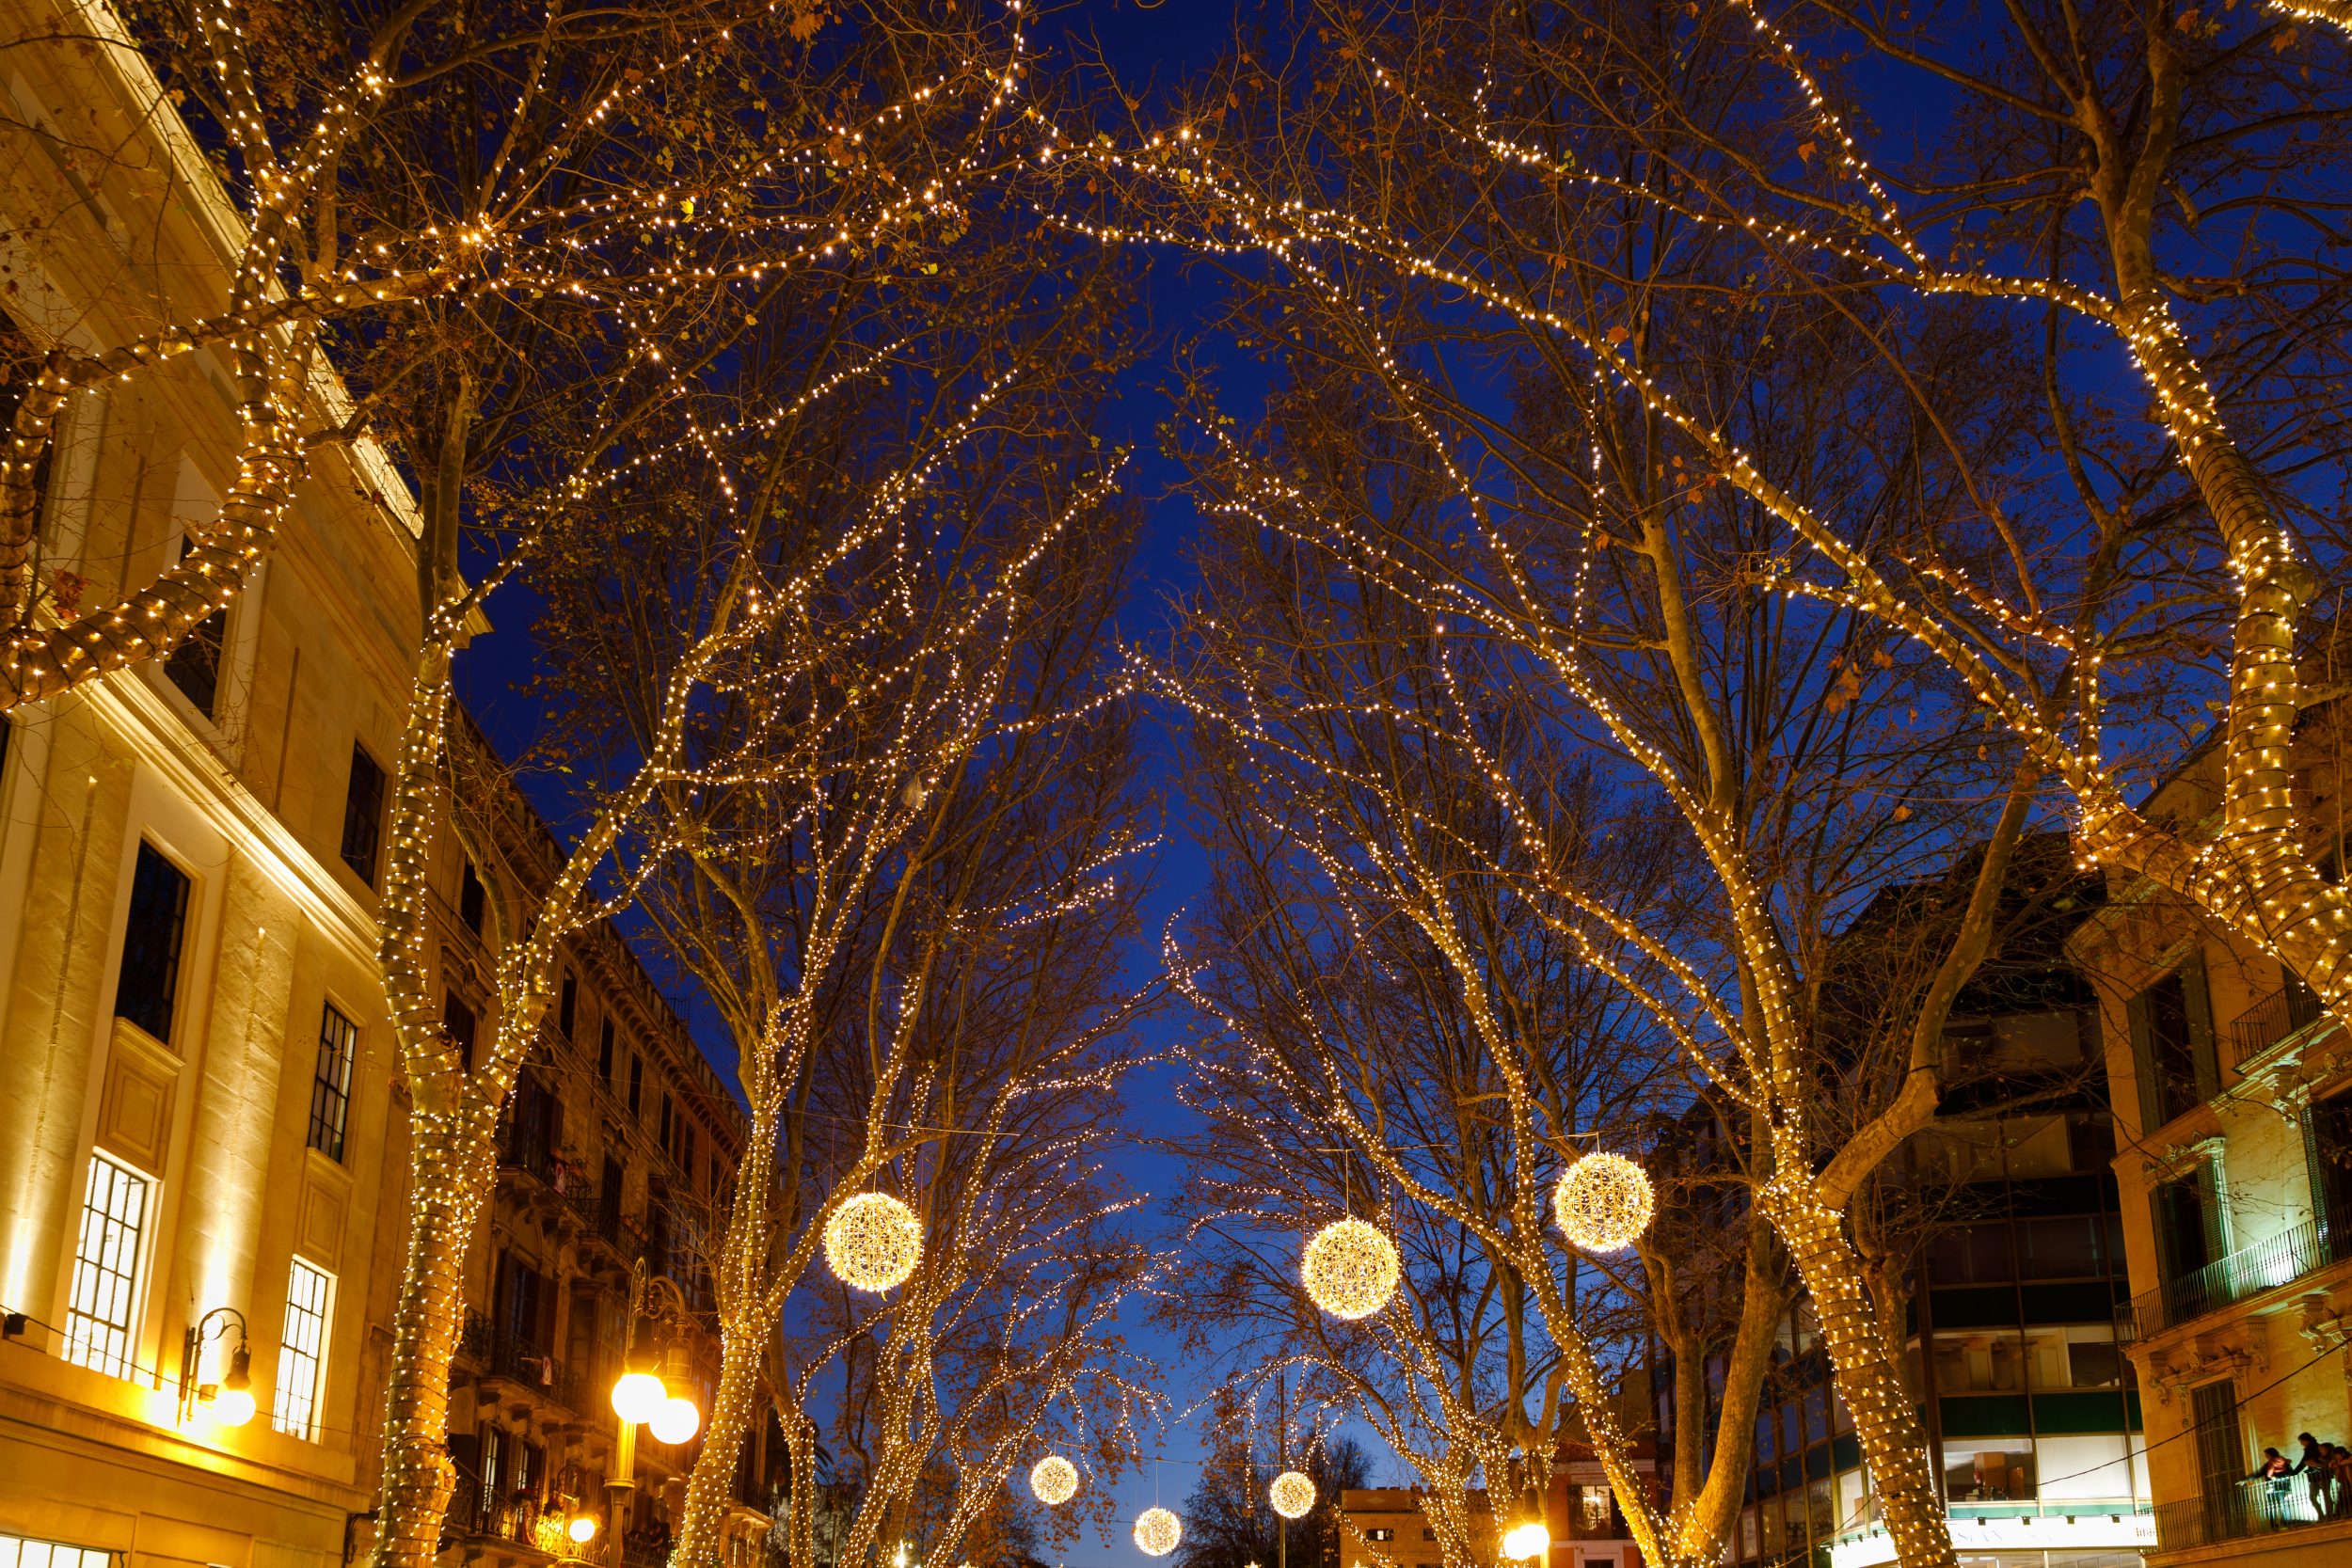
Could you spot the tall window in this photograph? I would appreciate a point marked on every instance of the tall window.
(471, 897)
(106, 1262)
(604, 1051)
(568, 1006)
(668, 1114)
(302, 1351)
(195, 664)
(149, 980)
(2171, 1024)
(330, 1090)
(458, 1022)
(363, 814)
(636, 1082)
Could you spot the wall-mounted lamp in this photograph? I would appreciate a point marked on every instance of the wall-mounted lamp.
(230, 1399)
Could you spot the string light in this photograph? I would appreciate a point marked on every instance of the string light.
(873, 1242)
(1603, 1203)
(1350, 1268)
(1054, 1481)
(1158, 1531)
(1293, 1494)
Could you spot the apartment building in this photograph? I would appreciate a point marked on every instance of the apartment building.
(613, 1166)
(2234, 1097)
(204, 1152)
(2004, 1217)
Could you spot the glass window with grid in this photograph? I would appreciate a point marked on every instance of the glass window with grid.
(17, 1551)
(100, 1314)
(302, 1350)
(331, 1088)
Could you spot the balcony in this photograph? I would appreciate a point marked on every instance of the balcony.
(503, 1355)
(2285, 1012)
(2248, 1273)
(2249, 1510)
(476, 1515)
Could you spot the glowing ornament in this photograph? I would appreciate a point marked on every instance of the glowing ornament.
(1528, 1540)
(583, 1528)
(1158, 1531)
(1292, 1495)
(1053, 1480)
(1603, 1203)
(873, 1242)
(1350, 1268)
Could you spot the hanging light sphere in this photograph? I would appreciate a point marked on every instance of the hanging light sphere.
(1350, 1268)
(1603, 1203)
(1053, 1480)
(1158, 1531)
(873, 1242)
(1292, 1495)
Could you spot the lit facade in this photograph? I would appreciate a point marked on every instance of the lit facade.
(2235, 1172)
(197, 1116)
(202, 1122)
(1385, 1526)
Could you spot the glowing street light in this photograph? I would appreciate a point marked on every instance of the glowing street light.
(230, 1399)
(644, 1398)
(1528, 1540)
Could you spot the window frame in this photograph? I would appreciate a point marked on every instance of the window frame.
(175, 965)
(363, 861)
(323, 1086)
(292, 1353)
(118, 1356)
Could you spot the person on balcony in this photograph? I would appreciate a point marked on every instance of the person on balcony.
(2317, 1468)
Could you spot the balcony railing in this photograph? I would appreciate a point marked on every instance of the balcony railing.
(2245, 1274)
(2271, 1019)
(496, 1355)
(474, 1514)
(2248, 1508)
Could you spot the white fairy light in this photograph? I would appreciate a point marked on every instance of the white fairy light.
(1053, 1480)
(1157, 1530)
(1293, 1494)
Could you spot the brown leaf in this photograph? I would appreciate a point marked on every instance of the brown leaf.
(1618, 334)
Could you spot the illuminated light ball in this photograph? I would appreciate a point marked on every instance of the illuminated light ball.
(637, 1396)
(676, 1422)
(1350, 1268)
(1528, 1540)
(1603, 1203)
(232, 1407)
(873, 1242)
(1158, 1531)
(1054, 1481)
(1292, 1495)
(583, 1528)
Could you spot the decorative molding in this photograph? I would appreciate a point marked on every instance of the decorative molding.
(2231, 1352)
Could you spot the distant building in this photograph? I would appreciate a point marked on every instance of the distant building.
(1386, 1526)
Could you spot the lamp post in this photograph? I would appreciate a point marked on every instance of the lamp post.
(648, 1396)
(231, 1398)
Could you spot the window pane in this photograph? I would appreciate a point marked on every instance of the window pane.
(98, 1322)
(149, 983)
(330, 1090)
(195, 664)
(363, 811)
(301, 1351)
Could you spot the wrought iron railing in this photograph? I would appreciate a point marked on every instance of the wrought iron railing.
(2271, 1019)
(2299, 1250)
(2248, 1508)
(475, 1513)
(496, 1355)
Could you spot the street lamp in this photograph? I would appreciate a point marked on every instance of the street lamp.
(231, 1398)
(1529, 1539)
(641, 1397)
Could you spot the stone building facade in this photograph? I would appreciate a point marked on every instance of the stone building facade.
(2233, 1101)
(202, 1124)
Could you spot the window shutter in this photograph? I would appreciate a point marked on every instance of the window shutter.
(2144, 1065)
(2199, 1008)
(2209, 1204)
